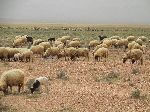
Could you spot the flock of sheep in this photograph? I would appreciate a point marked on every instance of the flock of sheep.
(67, 47)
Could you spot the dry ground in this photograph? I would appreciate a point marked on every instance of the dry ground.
(89, 86)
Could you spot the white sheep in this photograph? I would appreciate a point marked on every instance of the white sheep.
(101, 52)
(14, 77)
(134, 55)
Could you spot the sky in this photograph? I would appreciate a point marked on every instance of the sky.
(77, 11)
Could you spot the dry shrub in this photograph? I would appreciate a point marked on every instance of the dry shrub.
(135, 71)
(62, 75)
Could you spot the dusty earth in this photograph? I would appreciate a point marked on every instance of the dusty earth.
(87, 86)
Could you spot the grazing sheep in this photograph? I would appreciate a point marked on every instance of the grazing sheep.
(11, 53)
(115, 37)
(52, 51)
(93, 44)
(14, 77)
(131, 38)
(110, 42)
(19, 42)
(37, 42)
(84, 52)
(29, 39)
(99, 46)
(38, 49)
(101, 52)
(38, 82)
(122, 43)
(75, 44)
(3, 53)
(130, 45)
(75, 39)
(70, 52)
(139, 41)
(27, 56)
(46, 45)
(134, 55)
(143, 38)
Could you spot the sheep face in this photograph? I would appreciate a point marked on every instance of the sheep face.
(96, 58)
(3, 88)
(124, 59)
(36, 84)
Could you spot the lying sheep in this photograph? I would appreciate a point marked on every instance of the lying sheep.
(83, 52)
(14, 77)
(38, 49)
(101, 52)
(52, 51)
(38, 82)
(134, 55)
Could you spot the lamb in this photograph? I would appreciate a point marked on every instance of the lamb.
(52, 51)
(38, 82)
(134, 55)
(14, 77)
(38, 49)
(101, 52)
(18, 57)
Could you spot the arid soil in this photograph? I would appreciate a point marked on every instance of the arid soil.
(87, 86)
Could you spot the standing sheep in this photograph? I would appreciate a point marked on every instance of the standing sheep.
(38, 49)
(101, 52)
(52, 51)
(3, 53)
(14, 77)
(134, 55)
(84, 52)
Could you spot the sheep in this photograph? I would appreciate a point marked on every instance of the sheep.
(63, 39)
(75, 44)
(46, 45)
(13, 77)
(84, 52)
(130, 45)
(37, 42)
(20, 41)
(68, 52)
(51, 39)
(143, 38)
(27, 56)
(101, 52)
(11, 53)
(3, 53)
(75, 39)
(134, 55)
(29, 39)
(99, 46)
(38, 49)
(110, 42)
(52, 51)
(139, 41)
(18, 57)
(38, 82)
(122, 42)
(115, 37)
(93, 44)
(131, 38)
